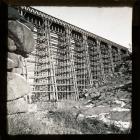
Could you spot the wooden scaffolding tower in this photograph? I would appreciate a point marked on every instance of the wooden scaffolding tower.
(66, 59)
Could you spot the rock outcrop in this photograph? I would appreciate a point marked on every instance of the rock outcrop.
(22, 37)
(17, 86)
(20, 43)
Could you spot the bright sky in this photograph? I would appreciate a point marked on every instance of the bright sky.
(114, 23)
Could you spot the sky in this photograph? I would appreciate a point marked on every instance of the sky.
(112, 23)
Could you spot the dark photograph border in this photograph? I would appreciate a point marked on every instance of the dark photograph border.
(136, 63)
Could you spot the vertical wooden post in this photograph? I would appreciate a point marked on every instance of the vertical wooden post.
(100, 57)
(68, 32)
(111, 58)
(85, 44)
(36, 67)
(119, 54)
(52, 67)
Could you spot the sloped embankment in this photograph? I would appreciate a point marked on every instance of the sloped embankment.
(110, 113)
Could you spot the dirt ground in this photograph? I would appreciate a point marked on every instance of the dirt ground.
(67, 117)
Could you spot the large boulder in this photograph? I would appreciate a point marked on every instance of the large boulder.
(11, 45)
(17, 86)
(17, 106)
(10, 64)
(17, 70)
(15, 58)
(22, 36)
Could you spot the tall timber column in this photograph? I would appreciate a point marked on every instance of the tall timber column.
(100, 58)
(54, 95)
(68, 41)
(111, 58)
(119, 55)
(88, 60)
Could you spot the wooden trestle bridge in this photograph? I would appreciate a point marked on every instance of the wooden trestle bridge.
(67, 59)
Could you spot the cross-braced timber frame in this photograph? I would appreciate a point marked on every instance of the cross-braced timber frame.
(67, 59)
